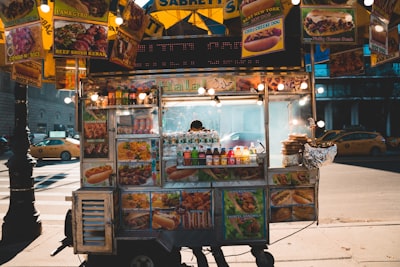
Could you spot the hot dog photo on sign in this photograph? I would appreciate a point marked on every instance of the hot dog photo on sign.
(264, 38)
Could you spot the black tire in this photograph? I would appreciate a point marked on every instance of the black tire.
(150, 255)
(375, 152)
(65, 155)
(264, 258)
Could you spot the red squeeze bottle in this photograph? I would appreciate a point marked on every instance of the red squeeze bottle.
(231, 157)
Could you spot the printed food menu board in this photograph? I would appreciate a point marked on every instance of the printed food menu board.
(292, 204)
(138, 162)
(167, 210)
(244, 214)
(95, 134)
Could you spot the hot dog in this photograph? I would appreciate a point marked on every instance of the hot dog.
(303, 213)
(281, 214)
(27, 71)
(303, 196)
(165, 221)
(263, 40)
(281, 197)
(98, 174)
(325, 22)
(180, 174)
(248, 7)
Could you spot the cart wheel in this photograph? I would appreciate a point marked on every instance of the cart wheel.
(263, 258)
(151, 256)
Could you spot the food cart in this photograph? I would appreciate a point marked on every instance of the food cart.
(142, 197)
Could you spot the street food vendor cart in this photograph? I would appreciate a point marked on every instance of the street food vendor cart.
(143, 197)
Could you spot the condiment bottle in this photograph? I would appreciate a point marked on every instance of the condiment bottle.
(216, 157)
(187, 157)
(231, 157)
(125, 96)
(253, 153)
(195, 156)
(238, 156)
(246, 155)
(209, 156)
(111, 96)
(202, 156)
(132, 96)
(179, 155)
(224, 157)
(118, 96)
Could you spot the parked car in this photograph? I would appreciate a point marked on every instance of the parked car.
(64, 148)
(3, 145)
(37, 137)
(328, 136)
(242, 139)
(360, 143)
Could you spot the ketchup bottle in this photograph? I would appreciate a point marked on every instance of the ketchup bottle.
(231, 157)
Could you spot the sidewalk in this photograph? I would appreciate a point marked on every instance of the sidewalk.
(325, 245)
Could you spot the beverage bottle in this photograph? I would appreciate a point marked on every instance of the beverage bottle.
(125, 96)
(209, 156)
(111, 96)
(216, 157)
(202, 156)
(179, 155)
(231, 157)
(195, 156)
(246, 155)
(224, 157)
(132, 96)
(253, 153)
(118, 96)
(238, 156)
(187, 157)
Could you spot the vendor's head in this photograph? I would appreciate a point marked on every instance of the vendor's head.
(196, 125)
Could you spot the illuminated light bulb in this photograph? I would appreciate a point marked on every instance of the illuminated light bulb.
(201, 91)
(211, 91)
(44, 6)
(67, 100)
(320, 90)
(302, 101)
(142, 96)
(94, 97)
(303, 85)
(260, 87)
(368, 2)
(281, 86)
(295, 122)
(295, 2)
(321, 124)
(378, 28)
(118, 19)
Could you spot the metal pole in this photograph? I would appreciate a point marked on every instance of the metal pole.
(21, 222)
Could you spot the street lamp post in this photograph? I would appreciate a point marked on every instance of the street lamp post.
(21, 222)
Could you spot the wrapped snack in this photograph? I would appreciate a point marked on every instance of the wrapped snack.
(315, 157)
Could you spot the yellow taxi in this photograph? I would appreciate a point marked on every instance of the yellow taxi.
(63, 148)
(360, 143)
(328, 136)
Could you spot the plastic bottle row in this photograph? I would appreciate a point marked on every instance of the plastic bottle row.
(208, 157)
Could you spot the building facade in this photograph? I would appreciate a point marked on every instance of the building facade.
(47, 110)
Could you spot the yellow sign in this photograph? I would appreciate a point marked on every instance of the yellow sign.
(187, 4)
(231, 9)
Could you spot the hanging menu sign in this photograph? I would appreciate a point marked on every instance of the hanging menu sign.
(83, 9)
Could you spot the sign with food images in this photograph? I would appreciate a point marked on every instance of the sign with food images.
(137, 174)
(378, 35)
(393, 49)
(244, 214)
(124, 50)
(95, 134)
(17, 12)
(78, 39)
(97, 174)
(28, 72)
(186, 5)
(255, 11)
(328, 25)
(264, 38)
(93, 10)
(292, 204)
(167, 210)
(135, 21)
(24, 43)
(347, 63)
